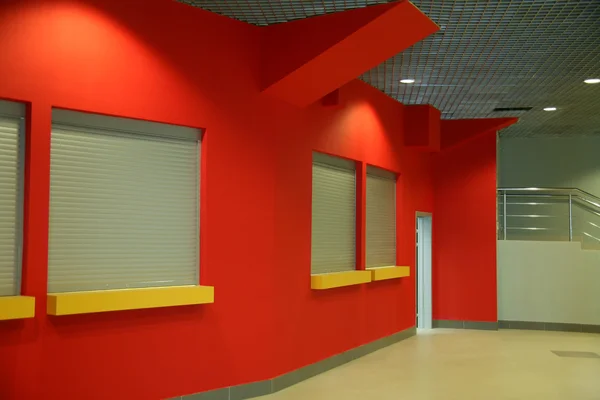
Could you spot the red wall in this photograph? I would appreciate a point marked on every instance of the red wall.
(368, 128)
(164, 61)
(464, 231)
(147, 59)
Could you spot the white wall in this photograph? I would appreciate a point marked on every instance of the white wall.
(548, 282)
(550, 162)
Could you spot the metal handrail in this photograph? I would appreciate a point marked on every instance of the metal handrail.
(584, 200)
(566, 191)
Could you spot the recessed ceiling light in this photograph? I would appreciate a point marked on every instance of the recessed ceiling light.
(407, 81)
(592, 80)
(550, 109)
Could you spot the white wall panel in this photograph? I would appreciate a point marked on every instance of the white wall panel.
(548, 282)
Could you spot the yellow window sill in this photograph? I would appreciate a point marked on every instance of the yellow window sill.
(339, 279)
(384, 273)
(127, 299)
(17, 307)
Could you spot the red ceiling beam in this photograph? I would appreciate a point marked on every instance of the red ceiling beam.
(422, 127)
(304, 60)
(455, 131)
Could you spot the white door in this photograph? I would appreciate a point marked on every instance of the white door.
(423, 269)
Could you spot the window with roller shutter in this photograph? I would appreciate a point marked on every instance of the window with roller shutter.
(124, 203)
(333, 244)
(381, 218)
(12, 145)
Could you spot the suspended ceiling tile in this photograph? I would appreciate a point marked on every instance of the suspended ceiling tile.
(487, 55)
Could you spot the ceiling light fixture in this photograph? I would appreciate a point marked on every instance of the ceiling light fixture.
(592, 80)
(407, 81)
(550, 109)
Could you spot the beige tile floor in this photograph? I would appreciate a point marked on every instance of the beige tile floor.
(464, 364)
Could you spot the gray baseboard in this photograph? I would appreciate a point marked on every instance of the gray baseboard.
(288, 379)
(549, 326)
(453, 324)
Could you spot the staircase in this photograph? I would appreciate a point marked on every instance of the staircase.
(549, 258)
(549, 214)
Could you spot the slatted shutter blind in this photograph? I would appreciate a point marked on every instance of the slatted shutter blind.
(124, 208)
(381, 218)
(10, 201)
(333, 215)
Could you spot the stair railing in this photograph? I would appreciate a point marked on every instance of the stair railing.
(549, 214)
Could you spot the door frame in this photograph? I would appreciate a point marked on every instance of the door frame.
(423, 273)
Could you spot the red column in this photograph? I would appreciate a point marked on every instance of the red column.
(361, 215)
(36, 204)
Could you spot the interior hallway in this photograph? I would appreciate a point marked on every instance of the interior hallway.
(464, 364)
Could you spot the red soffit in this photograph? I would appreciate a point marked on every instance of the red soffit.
(455, 131)
(422, 127)
(304, 60)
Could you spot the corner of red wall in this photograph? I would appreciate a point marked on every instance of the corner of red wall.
(422, 127)
(464, 231)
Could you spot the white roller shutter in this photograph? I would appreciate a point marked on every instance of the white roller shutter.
(333, 215)
(124, 204)
(381, 218)
(11, 123)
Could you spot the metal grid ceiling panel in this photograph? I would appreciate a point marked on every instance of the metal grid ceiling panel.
(488, 54)
(333, 238)
(381, 218)
(267, 12)
(505, 53)
(123, 210)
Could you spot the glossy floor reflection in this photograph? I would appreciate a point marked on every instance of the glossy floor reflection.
(463, 364)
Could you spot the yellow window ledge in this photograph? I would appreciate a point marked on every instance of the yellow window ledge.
(339, 279)
(384, 273)
(127, 299)
(17, 307)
